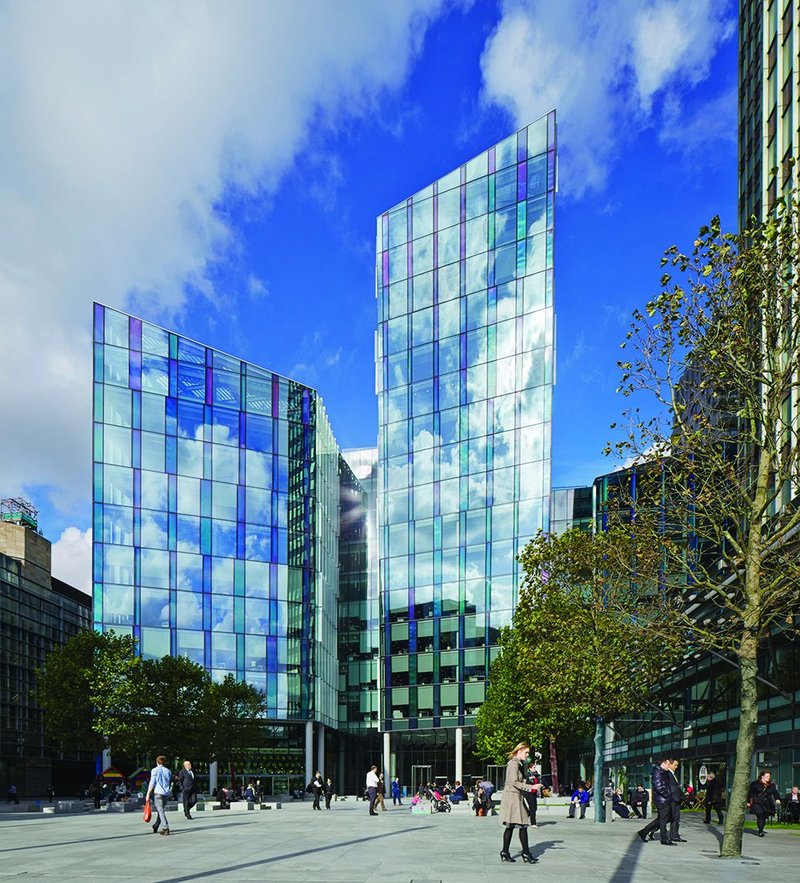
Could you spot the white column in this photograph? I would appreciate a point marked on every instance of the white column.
(387, 760)
(212, 778)
(309, 752)
(106, 759)
(459, 754)
(321, 749)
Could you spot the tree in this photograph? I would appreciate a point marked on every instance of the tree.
(580, 641)
(234, 712)
(85, 688)
(716, 357)
(173, 694)
(519, 705)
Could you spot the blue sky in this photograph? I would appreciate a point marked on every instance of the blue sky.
(222, 176)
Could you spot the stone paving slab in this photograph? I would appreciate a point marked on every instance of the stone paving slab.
(346, 845)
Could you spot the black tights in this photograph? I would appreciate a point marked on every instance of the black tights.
(523, 838)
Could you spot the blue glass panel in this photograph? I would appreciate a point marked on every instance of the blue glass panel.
(226, 389)
(155, 374)
(259, 433)
(191, 382)
(135, 370)
(223, 538)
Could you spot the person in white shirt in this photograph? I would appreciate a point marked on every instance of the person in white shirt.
(160, 786)
(372, 788)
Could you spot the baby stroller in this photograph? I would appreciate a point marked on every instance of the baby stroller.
(439, 803)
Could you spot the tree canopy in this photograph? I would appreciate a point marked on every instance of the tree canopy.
(580, 649)
(96, 692)
(87, 689)
(713, 373)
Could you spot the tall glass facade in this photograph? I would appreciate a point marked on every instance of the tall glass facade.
(359, 635)
(464, 373)
(216, 514)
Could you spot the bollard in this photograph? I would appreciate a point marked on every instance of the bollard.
(609, 811)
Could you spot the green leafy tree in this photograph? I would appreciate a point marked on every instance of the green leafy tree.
(580, 641)
(87, 691)
(714, 370)
(173, 694)
(520, 705)
(234, 712)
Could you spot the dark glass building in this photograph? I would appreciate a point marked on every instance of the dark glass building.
(37, 614)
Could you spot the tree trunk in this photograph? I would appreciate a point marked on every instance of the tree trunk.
(597, 784)
(553, 767)
(745, 746)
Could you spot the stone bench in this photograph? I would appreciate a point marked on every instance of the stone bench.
(124, 806)
(237, 806)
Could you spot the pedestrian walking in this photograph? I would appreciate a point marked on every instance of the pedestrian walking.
(159, 789)
(513, 809)
(677, 797)
(381, 793)
(188, 788)
(328, 792)
(372, 788)
(396, 792)
(12, 795)
(713, 798)
(763, 798)
(662, 798)
(318, 789)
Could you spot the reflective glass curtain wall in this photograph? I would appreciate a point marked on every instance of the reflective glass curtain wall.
(464, 372)
(215, 514)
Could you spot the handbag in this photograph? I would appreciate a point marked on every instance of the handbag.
(148, 811)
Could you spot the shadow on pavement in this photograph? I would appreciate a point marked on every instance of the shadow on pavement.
(627, 864)
(231, 869)
(173, 832)
(537, 850)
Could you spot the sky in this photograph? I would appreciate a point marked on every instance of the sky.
(218, 168)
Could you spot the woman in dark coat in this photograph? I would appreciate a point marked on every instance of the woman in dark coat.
(513, 809)
(762, 799)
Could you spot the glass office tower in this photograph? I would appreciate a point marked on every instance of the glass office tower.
(216, 515)
(464, 374)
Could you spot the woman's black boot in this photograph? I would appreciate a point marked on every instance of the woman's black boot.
(505, 855)
(523, 842)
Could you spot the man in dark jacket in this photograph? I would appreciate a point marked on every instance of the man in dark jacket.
(677, 797)
(713, 798)
(188, 788)
(639, 800)
(662, 799)
(762, 799)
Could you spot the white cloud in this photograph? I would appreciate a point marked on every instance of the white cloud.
(255, 286)
(125, 127)
(72, 558)
(601, 65)
(692, 132)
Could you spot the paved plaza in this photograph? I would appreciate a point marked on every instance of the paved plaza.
(345, 844)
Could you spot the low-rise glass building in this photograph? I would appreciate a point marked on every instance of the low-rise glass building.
(216, 517)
